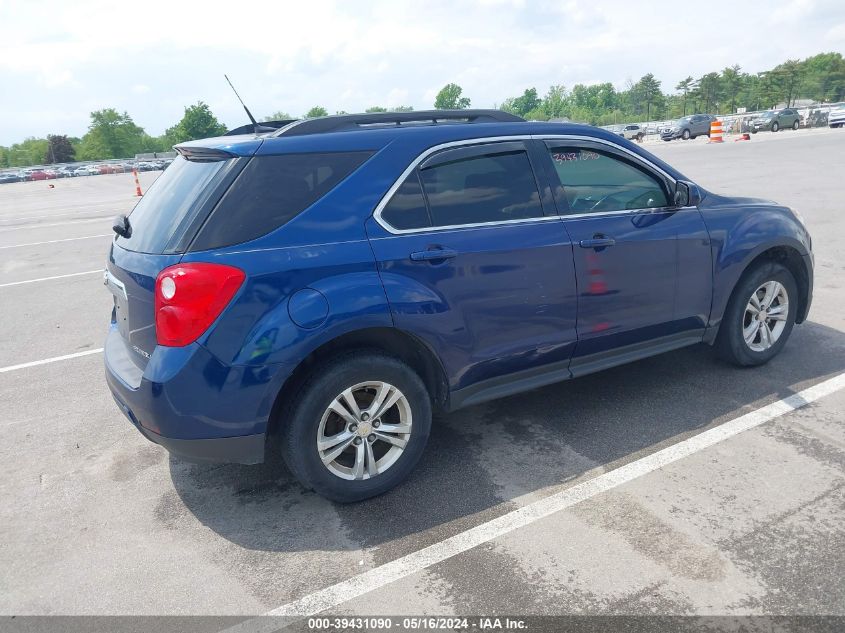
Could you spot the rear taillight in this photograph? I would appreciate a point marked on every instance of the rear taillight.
(188, 297)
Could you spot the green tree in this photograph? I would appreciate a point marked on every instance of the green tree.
(709, 87)
(197, 122)
(731, 83)
(402, 109)
(526, 103)
(315, 112)
(111, 135)
(685, 85)
(59, 149)
(788, 78)
(30, 151)
(555, 103)
(279, 115)
(374, 109)
(449, 98)
(649, 90)
(824, 77)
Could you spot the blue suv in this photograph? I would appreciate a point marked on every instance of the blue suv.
(313, 292)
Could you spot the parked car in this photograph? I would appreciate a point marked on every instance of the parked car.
(38, 174)
(9, 176)
(82, 171)
(688, 127)
(836, 117)
(775, 120)
(633, 132)
(312, 296)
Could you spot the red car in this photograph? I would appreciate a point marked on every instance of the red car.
(38, 174)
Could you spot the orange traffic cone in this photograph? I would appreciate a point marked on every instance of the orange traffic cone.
(745, 137)
(716, 132)
(137, 184)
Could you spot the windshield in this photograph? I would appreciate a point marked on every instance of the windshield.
(163, 209)
(767, 115)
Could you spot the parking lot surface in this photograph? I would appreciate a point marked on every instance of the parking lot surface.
(96, 520)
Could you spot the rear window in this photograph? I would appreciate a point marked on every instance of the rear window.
(167, 206)
(272, 190)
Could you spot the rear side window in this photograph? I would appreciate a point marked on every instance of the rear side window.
(489, 188)
(271, 191)
(406, 209)
(169, 204)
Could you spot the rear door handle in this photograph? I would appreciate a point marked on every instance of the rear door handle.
(597, 242)
(433, 254)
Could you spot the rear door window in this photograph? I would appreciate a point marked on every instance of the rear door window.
(169, 204)
(495, 187)
(271, 191)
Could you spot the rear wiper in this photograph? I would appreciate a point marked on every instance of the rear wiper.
(121, 226)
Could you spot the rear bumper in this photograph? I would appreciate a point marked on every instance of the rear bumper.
(244, 449)
(190, 403)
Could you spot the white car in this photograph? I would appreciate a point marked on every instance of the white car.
(81, 171)
(633, 132)
(836, 118)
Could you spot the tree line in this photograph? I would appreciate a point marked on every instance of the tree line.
(112, 134)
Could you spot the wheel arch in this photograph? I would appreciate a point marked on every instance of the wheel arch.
(392, 341)
(789, 256)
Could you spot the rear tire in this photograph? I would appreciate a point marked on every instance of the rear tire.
(370, 461)
(759, 317)
(795, 125)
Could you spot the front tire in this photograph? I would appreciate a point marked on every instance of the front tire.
(759, 317)
(685, 135)
(775, 126)
(358, 426)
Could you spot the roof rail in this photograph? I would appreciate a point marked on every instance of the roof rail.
(342, 122)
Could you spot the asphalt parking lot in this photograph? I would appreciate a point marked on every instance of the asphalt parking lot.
(95, 520)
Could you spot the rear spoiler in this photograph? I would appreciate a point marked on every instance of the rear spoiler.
(249, 128)
(202, 154)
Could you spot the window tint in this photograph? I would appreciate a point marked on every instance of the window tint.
(168, 205)
(489, 188)
(272, 190)
(595, 182)
(406, 209)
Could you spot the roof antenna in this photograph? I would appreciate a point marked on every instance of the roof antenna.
(258, 128)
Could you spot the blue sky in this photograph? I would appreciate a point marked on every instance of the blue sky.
(61, 60)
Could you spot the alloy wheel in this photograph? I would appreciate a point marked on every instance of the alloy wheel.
(764, 319)
(364, 430)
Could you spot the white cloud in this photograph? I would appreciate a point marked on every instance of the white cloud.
(350, 56)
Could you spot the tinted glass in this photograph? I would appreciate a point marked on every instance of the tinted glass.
(167, 204)
(406, 209)
(595, 182)
(489, 188)
(270, 191)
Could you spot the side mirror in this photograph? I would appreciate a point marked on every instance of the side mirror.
(686, 194)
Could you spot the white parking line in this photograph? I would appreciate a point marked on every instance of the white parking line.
(67, 239)
(47, 361)
(383, 575)
(32, 281)
(36, 225)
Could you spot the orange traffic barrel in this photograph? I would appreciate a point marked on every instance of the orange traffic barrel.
(715, 132)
